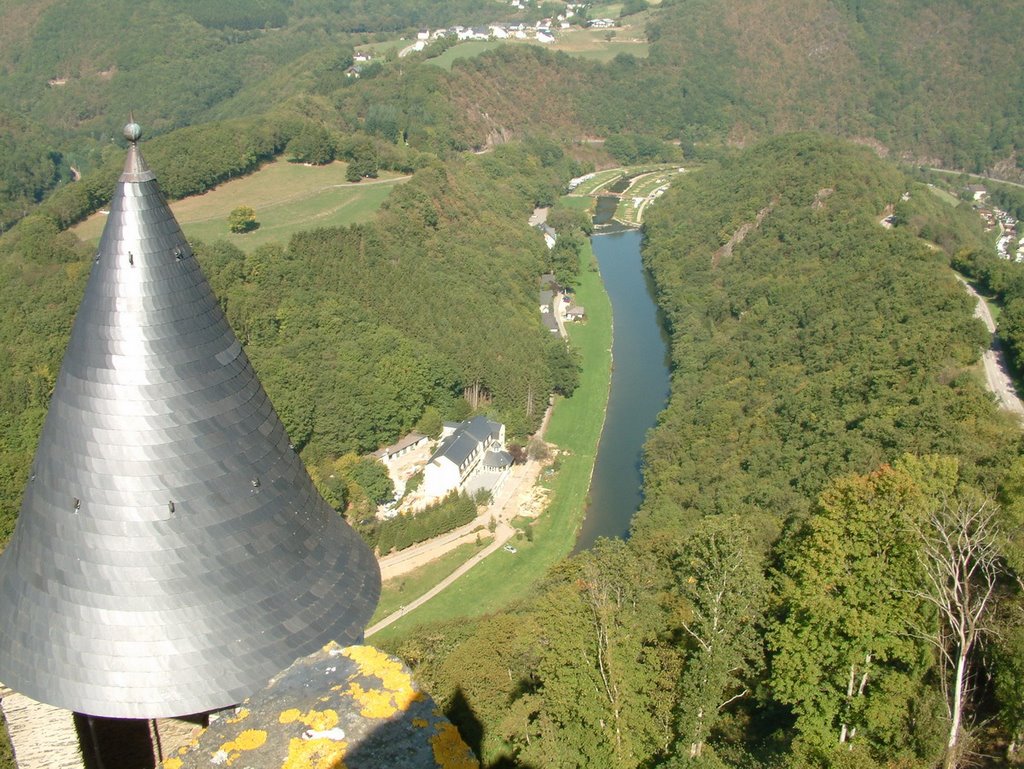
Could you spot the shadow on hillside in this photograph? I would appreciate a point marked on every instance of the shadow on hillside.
(460, 712)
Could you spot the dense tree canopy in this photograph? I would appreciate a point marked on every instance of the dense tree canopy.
(770, 607)
(355, 332)
(772, 602)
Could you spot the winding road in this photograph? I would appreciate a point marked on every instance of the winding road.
(997, 375)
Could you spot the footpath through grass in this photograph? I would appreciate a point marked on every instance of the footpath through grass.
(287, 197)
(398, 591)
(575, 428)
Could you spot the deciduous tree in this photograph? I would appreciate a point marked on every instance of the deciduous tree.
(242, 219)
(843, 659)
(720, 576)
(959, 557)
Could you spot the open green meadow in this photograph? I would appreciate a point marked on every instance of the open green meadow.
(575, 428)
(578, 203)
(609, 51)
(631, 206)
(382, 48)
(287, 197)
(466, 50)
(605, 10)
(944, 195)
(598, 182)
(397, 592)
(600, 45)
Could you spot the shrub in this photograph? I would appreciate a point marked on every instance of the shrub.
(242, 219)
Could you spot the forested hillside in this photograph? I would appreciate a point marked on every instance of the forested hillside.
(827, 439)
(357, 333)
(818, 344)
(824, 425)
(70, 72)
(937, 81)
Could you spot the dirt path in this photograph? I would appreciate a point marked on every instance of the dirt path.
(512, 501)
(508, 506)
(502, 534)
(996, 372)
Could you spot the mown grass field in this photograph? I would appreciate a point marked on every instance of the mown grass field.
(382, 47)
(466, 50)
(598, 182)
(600, 45)
(397, 592)
(575, 428)
(287, 197)
(944, 195)
(629, 211)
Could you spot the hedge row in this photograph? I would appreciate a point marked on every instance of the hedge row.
(399, 533)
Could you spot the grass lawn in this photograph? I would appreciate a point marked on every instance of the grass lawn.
(575, 427)
(465, 50)
(944, 195)
(381, 48)
(642, 186)
(577, 203)
(598, 181)
(594, 43)
(287, 197)
(397, 592)
(609, 51)
(605, 10)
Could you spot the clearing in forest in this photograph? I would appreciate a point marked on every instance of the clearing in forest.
(287, 197)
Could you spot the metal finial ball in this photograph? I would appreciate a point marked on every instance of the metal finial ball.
(133, 132)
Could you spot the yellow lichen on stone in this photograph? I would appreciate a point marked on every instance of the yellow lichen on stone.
(450, 752)
(172, 763)
(373, 703)
(320, 720)
(241, 715)
(315, 754)
(396, 683)
(420, 723)
(250, 739)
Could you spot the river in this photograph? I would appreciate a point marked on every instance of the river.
(639, 387)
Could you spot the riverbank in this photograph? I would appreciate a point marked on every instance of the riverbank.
(639, 388)
(574, 431)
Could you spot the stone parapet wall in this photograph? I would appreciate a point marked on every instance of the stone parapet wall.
(43, 737)
(354, 707)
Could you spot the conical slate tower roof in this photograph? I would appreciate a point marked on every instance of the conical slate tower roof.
(171, 553)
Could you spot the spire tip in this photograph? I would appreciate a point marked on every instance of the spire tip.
(132, 132)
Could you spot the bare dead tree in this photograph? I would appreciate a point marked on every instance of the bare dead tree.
(960, 561)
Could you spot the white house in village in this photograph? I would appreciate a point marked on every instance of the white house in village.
(465, 448)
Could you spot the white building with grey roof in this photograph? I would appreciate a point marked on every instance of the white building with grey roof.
(465, 449)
